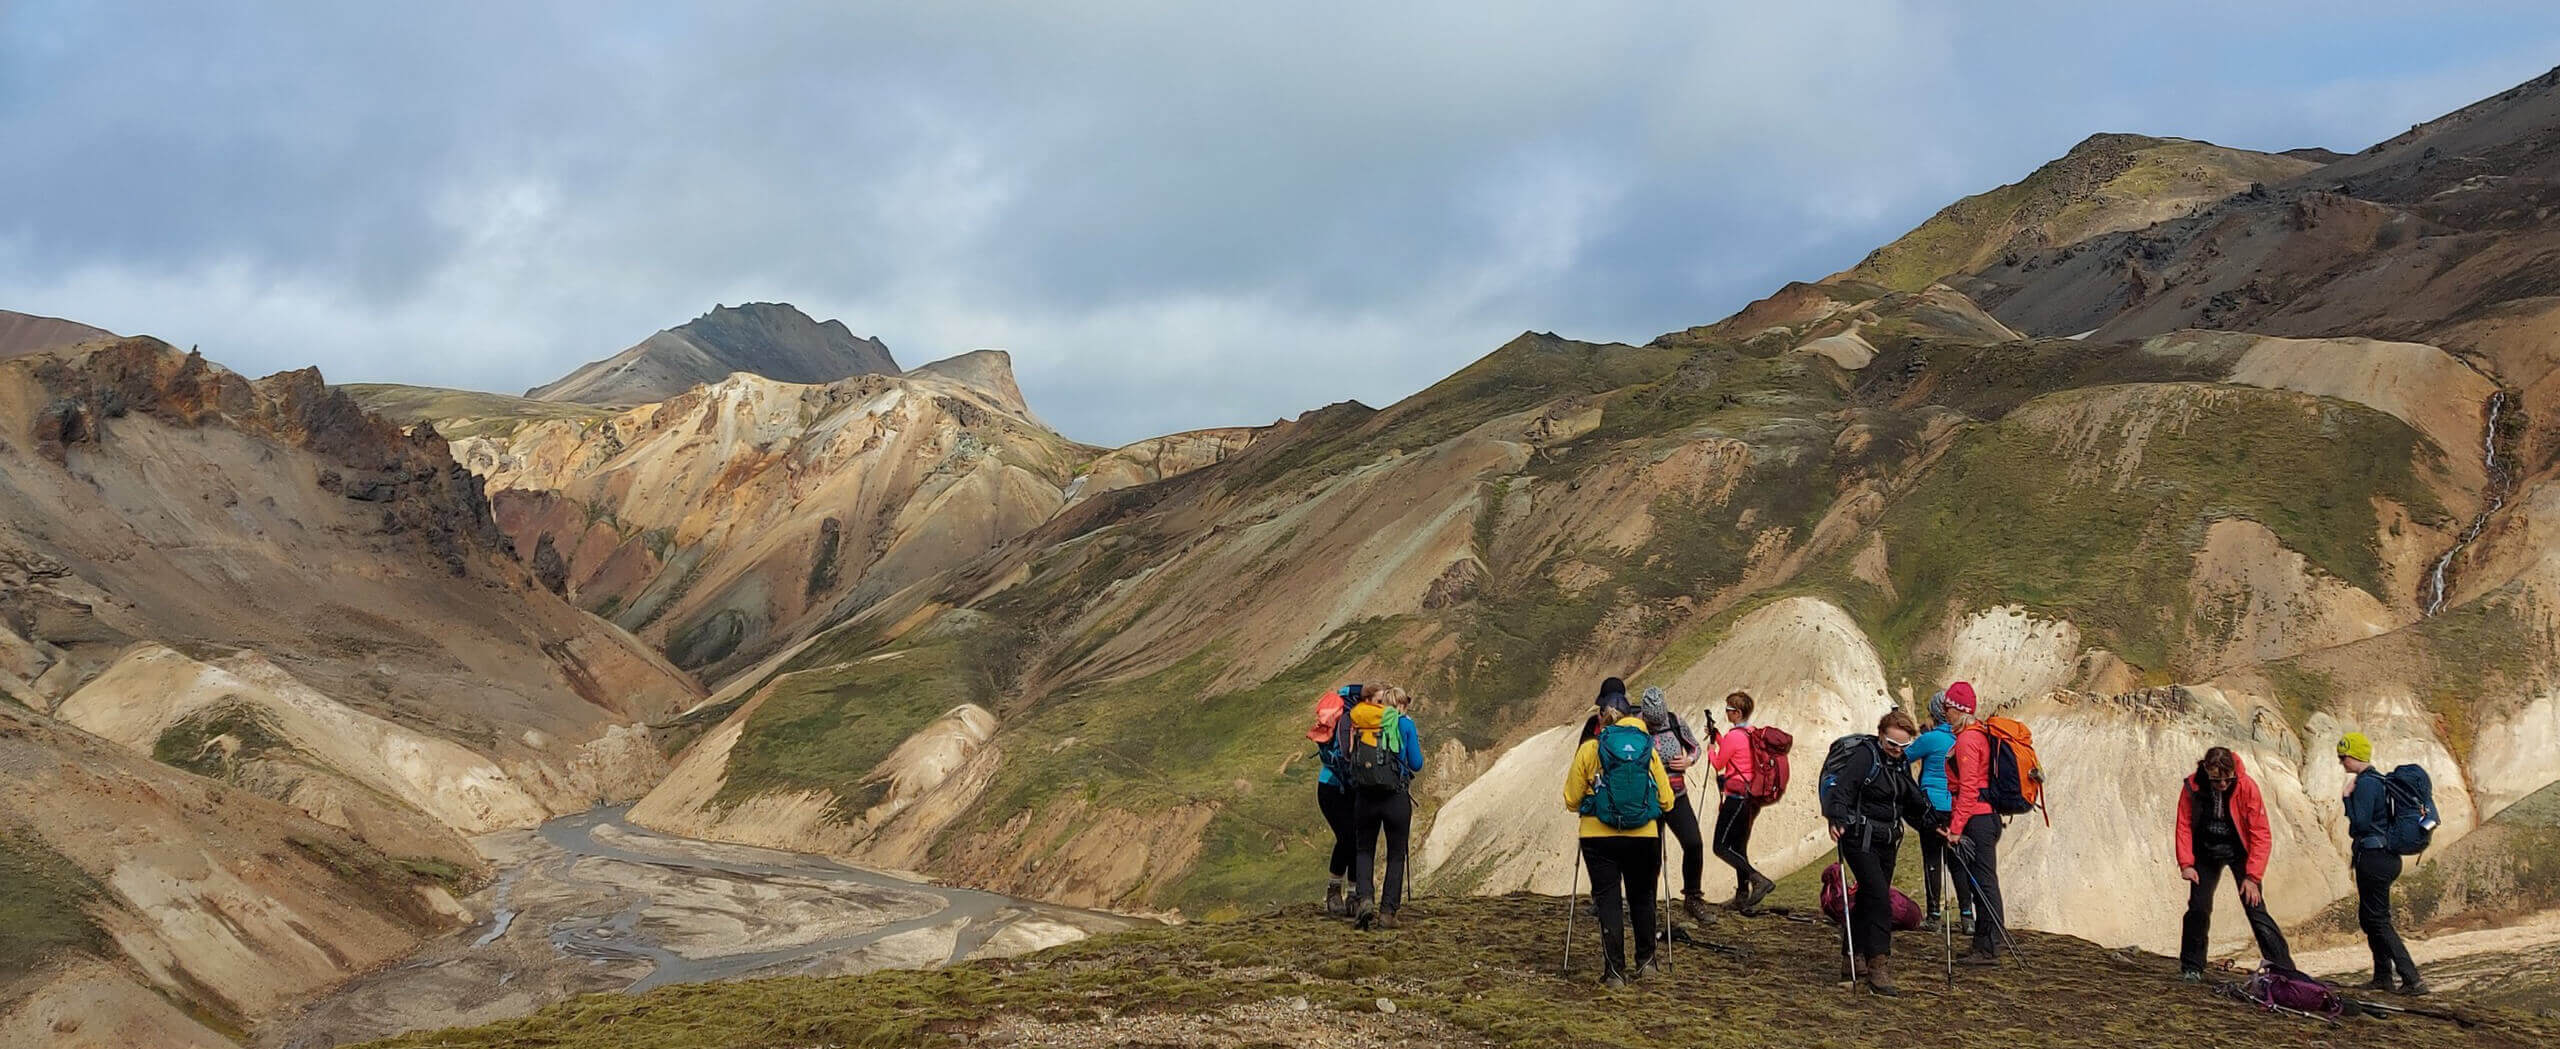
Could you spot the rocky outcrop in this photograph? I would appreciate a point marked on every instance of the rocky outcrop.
(770, 339)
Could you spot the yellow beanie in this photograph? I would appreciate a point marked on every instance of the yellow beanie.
(2354, 745)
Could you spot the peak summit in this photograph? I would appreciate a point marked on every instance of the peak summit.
(772, 339)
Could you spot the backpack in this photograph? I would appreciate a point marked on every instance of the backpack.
(1375, 768)
(1836, 763)
(2412, 824)
(1835, 900)
(1329, 708)
(1624, 797)
(2275, 987)
(1769, 773)
(2015, 785)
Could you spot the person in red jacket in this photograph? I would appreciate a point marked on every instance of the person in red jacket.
(2222, 823)
(1973, 830)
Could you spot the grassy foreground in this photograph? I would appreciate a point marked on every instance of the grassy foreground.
(1463, 971)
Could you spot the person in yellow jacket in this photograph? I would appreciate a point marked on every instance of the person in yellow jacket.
(1624, 860)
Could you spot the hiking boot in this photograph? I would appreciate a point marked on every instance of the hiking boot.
(1977, 957)
(1613, 979)
(1964, 923)
(1761, 887)
(1695, 906)
(1366, 919)
(2378, 983)
(2416, 990)
(1334, 906)
(1387, 920)
(1929, 923)
(2190, 974)
(1645, 966)
(1880, 977)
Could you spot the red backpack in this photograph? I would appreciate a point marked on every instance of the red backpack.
(1769, 773)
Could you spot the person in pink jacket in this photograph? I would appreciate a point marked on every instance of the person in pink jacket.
(1737, 811)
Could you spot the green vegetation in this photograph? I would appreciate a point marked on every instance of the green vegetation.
(2299, 690)
(2482, 663)
(1475, 968)
(2096, 512)
(1174, 738)
(390, 881)
(463, 413)
(827, 724)
(45, 905)
(215, 740)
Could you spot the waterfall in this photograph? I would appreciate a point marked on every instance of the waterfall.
(2437, 584)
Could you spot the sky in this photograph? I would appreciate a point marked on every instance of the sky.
(1173, 215)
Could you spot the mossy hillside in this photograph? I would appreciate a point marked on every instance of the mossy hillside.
(835, 712)
(2012, 515)
(2481, 665)
(1175, 738)
(1487, 967)
(463, 413)
(45, 906)
(1988, 380)
(389, 882)
(216, 740)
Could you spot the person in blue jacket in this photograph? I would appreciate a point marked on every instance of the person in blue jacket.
(1929, 752)
(1378, 720)
(1333, 798)
(2368, 804)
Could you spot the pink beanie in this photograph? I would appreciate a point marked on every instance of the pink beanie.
(1960, 696)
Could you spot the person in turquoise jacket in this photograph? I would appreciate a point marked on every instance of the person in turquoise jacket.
(1929, 753)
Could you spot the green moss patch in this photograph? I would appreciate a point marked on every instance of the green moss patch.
(45, 905)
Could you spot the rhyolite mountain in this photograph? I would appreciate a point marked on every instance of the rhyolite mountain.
(771, 339)
(24, 333)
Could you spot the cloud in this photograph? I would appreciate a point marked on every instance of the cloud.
(1174, 216)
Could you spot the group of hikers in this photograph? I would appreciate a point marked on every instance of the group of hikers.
(1955, 783)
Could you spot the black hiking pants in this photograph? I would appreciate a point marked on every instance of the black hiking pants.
(1734, 818)
(1933, 864)
(2191, 946)
(1623, 873)
(2375, 870)
(1870, 925)
(1977, 865)
(1683, 823)
(1335, 801)
(1371, 812)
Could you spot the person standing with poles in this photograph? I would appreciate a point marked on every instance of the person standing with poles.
(1381, 751)
(1735, 765)
(1680, 749)
(1929, 753)
(2376, 865)
(1618, 785)
(2222, 825)
(1973, 829)
(1867, 798)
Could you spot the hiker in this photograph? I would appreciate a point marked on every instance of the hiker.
(1737, 810)
(1333, 798)
(2376, 865)
(1381, 751)
(1973, 829)
(2222, 824)
(1618, 784)
(1929, 752)
(1867, 797)
(1679, 749)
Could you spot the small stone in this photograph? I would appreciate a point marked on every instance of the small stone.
(1300, 1005)
(1386, 1006)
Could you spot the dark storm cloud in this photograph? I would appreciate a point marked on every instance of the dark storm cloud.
(1173, 218)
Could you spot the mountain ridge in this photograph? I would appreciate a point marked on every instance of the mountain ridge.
(771, 339)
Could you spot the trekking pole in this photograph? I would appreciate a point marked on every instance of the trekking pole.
(1572, 897)
(1982, 905)
(1848, 935)
(1661, 856)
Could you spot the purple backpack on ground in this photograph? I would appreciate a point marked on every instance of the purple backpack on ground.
(2276, 987)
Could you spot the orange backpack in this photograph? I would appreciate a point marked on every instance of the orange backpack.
(2015, 784)
(1328, 713)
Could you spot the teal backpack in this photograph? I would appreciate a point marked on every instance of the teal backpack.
(1625, 797)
